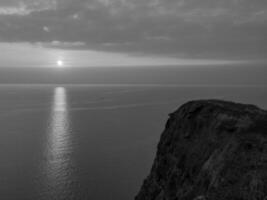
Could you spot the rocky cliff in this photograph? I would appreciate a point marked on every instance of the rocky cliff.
(210, 150)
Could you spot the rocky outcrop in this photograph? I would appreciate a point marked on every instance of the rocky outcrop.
(210, 149)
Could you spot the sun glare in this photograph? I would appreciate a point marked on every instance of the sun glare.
(60, 63)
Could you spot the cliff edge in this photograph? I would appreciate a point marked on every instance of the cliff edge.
(210, 150)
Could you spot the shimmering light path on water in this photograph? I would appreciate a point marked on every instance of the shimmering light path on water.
(58, 169)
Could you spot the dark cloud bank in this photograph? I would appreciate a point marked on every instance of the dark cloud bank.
(184, 28)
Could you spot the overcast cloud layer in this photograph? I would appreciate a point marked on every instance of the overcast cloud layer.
(180, 28)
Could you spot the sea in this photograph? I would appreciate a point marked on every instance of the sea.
(91, 141)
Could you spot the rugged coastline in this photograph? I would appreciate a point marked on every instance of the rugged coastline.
(210, 149)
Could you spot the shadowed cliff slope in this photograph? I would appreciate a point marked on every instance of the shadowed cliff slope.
(210, 149)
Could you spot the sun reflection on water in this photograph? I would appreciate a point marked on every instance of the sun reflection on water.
(58, 151)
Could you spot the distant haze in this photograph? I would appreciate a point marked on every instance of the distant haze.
(182, 75)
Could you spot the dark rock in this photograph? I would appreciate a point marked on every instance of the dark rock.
(210, 150)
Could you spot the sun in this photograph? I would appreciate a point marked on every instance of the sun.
(60, 63)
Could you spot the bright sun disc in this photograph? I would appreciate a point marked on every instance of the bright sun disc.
(60, 63)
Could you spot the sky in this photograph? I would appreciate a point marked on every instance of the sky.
(132, 32)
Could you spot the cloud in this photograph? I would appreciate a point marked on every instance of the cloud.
(191, 28)
(25, 7)
(14, 11)
(62, 45)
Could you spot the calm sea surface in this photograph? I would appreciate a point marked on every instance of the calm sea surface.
(89, 141)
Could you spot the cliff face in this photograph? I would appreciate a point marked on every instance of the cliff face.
(210, 150)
